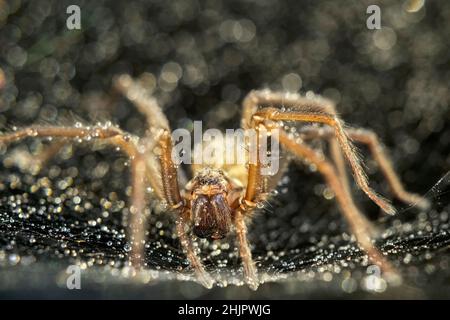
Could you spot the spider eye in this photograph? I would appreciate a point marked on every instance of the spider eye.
(212, 217)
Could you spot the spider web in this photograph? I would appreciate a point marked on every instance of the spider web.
(292, 241)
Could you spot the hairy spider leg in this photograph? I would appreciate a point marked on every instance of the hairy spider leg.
(168, 187)
(360, 226)
(370, 138)
(310, 110)
(295, 101)
(115, 137)
(254, 193)
(176, 203)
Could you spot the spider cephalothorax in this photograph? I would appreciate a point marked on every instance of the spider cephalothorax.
(219, 197)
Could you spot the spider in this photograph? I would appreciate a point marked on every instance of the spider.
(215, 201)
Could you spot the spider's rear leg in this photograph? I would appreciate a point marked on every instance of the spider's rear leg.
(370, 139)
(33, 162)
(143, 100)
(114, 137)
(359, 225)
(136, 91)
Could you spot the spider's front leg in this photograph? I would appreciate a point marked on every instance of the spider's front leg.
(250, 271)
(182, 231)
(254, 193)
(311, 110)
(166, 187)
(115, 137)
(302, 109)
(360, 226)
(175, 201)
(371, 139)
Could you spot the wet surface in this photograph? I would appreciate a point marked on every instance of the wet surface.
(74, 210)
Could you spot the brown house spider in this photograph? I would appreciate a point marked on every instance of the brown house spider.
(212, 201)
